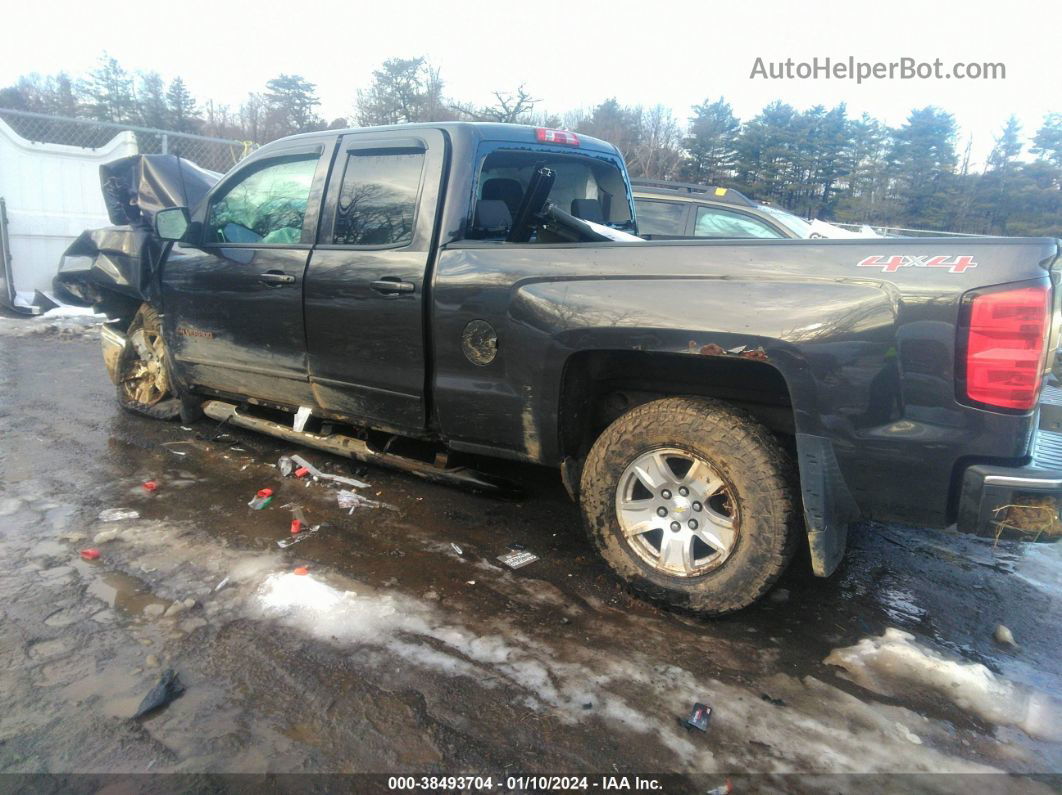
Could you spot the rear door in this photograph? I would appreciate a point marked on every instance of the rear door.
(365, 286)
(234, 302)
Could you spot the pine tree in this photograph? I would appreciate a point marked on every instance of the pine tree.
(923, 159)
(110, 91)
(1048, 141)
(290, 101)
(403, 90)
(710, 145)
(151, 100)
(182, 107)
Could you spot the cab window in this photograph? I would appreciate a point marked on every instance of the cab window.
(717, 222)
(267, 206)
(590, 188)
(378, 197)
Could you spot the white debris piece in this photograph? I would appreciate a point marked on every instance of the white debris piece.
(117, 515)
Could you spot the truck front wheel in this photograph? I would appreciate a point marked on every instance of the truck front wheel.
(143, 373)
(690, 501)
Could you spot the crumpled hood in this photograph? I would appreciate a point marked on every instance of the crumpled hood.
(122, 259)
(135, 188)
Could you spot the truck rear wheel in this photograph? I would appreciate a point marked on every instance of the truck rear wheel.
(690, 501)
(144, 384)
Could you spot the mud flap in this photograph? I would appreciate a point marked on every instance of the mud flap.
(828, 505)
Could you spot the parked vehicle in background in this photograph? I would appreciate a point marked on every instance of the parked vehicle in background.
(446, 292)
(679, 210)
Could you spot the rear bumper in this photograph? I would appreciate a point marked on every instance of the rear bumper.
(1019, 503)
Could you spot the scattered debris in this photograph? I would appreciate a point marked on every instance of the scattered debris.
(457, 550)
(169, 687)
(699, 717)
(104, 536)
(296, 526)
(221, 585)
(301, 570)
(516, 559)
(301, 472)
(284, 543)
(154, 610)
(150, 486)
(261, 499)
(470, 582)
(432, 595)
(117, 515)
(289, 465)
(174, 609)
(351, 500)
(517, 547)
(588, 705)
(302, 416)
(723, 789)
(1004, 635)
(90, 554)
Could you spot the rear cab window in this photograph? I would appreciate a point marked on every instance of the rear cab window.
(589, 185)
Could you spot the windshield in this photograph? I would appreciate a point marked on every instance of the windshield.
(798, 226)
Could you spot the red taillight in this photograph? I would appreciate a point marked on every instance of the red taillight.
(548, 136)
(1005, 346)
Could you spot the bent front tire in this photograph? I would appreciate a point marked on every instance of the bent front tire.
(691, 502)
(144, 384)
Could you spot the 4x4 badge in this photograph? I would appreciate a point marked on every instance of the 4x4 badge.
(958, 263)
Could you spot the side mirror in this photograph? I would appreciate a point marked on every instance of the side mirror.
(172, 223)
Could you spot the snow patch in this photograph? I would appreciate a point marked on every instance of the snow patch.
(894, 664)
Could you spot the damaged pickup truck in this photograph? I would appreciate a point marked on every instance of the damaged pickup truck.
(441, 293)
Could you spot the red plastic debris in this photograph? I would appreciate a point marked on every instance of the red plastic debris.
(302, 570)
(296, 526)
(90, 554)
(151, 485)
(301, 472)
(265, 493)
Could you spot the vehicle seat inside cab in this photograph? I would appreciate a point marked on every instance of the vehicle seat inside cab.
(505, 190)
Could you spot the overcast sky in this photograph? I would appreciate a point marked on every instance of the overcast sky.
(569, 54)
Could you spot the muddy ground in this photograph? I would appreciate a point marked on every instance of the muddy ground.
(396, 654)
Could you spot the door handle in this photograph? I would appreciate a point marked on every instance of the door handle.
(393, 286)
(276, 278)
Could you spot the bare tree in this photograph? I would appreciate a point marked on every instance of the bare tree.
(510, 107)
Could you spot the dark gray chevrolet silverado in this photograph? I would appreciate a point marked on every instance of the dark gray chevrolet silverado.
(443, 292)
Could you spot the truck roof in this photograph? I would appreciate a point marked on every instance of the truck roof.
(477, 130)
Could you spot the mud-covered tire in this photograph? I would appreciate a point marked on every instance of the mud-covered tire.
(161, 402)
(759, 480)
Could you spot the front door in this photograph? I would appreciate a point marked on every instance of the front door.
(365, 284)
(233, 303)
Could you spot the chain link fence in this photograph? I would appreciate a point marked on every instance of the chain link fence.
(216, 154)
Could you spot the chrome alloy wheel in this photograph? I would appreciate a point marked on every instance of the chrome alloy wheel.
(676, 512)
(145, 380)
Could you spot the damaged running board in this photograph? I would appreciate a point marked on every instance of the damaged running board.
(357, 449)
